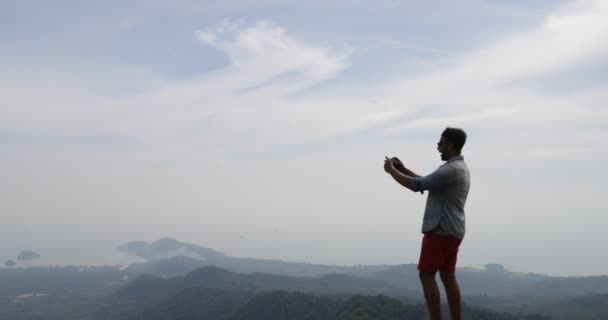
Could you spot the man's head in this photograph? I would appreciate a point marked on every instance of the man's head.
(451, 142)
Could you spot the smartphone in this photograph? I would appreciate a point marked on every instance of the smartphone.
(396, 161)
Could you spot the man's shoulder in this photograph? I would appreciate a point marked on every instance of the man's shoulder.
(455, 166)
(454, 163)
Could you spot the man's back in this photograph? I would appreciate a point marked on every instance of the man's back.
(448, 190)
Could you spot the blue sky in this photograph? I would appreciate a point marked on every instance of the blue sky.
(215, 122)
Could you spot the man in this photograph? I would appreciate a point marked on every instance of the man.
(444, 220)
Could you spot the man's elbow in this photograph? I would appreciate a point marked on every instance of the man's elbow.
(416, 187)
(417, 190)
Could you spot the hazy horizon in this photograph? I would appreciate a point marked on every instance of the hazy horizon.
(106, 255)
(259, 128)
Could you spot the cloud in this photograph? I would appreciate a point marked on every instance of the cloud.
(265, 96)
(267, 51)
(244, 104)
(566, 39)
(276, 91)
(508, 75)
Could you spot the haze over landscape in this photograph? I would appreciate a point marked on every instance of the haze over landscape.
(259, 128)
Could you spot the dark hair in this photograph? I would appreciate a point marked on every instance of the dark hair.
(455, 136)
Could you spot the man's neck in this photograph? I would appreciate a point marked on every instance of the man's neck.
(452, 156)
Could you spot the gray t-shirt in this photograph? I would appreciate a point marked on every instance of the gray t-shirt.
(448, 189)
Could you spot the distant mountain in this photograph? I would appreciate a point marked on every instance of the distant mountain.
(479, 284)
(174, 257)
(503, 283)
(167, 248)
(568, 286)
(145, 287)
(171, 267)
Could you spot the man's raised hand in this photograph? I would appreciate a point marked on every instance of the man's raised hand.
(388, 165)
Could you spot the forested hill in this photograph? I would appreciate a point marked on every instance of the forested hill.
(197, 303)
(153, 288)
(214, 293)
(111, 293)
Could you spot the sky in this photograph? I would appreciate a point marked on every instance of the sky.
(259, 128)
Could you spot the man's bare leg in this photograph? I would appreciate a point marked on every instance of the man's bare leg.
(431, 294)
(452, 290)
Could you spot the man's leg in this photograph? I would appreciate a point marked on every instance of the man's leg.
(431, 294)
(453, 292)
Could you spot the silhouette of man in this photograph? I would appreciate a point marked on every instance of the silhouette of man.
(444, 220)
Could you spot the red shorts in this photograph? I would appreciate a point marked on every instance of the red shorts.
(438, 253)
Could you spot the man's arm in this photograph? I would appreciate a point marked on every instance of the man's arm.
(405, 178)
(401, 168)
(440, 178)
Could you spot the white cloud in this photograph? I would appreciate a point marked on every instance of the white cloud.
(507, 76)
(268, 65)
(565, 39)
(255, 93)
(206, 37)
(266, 51)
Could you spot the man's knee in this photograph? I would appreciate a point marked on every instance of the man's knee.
(447, 277)
(426, 276)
